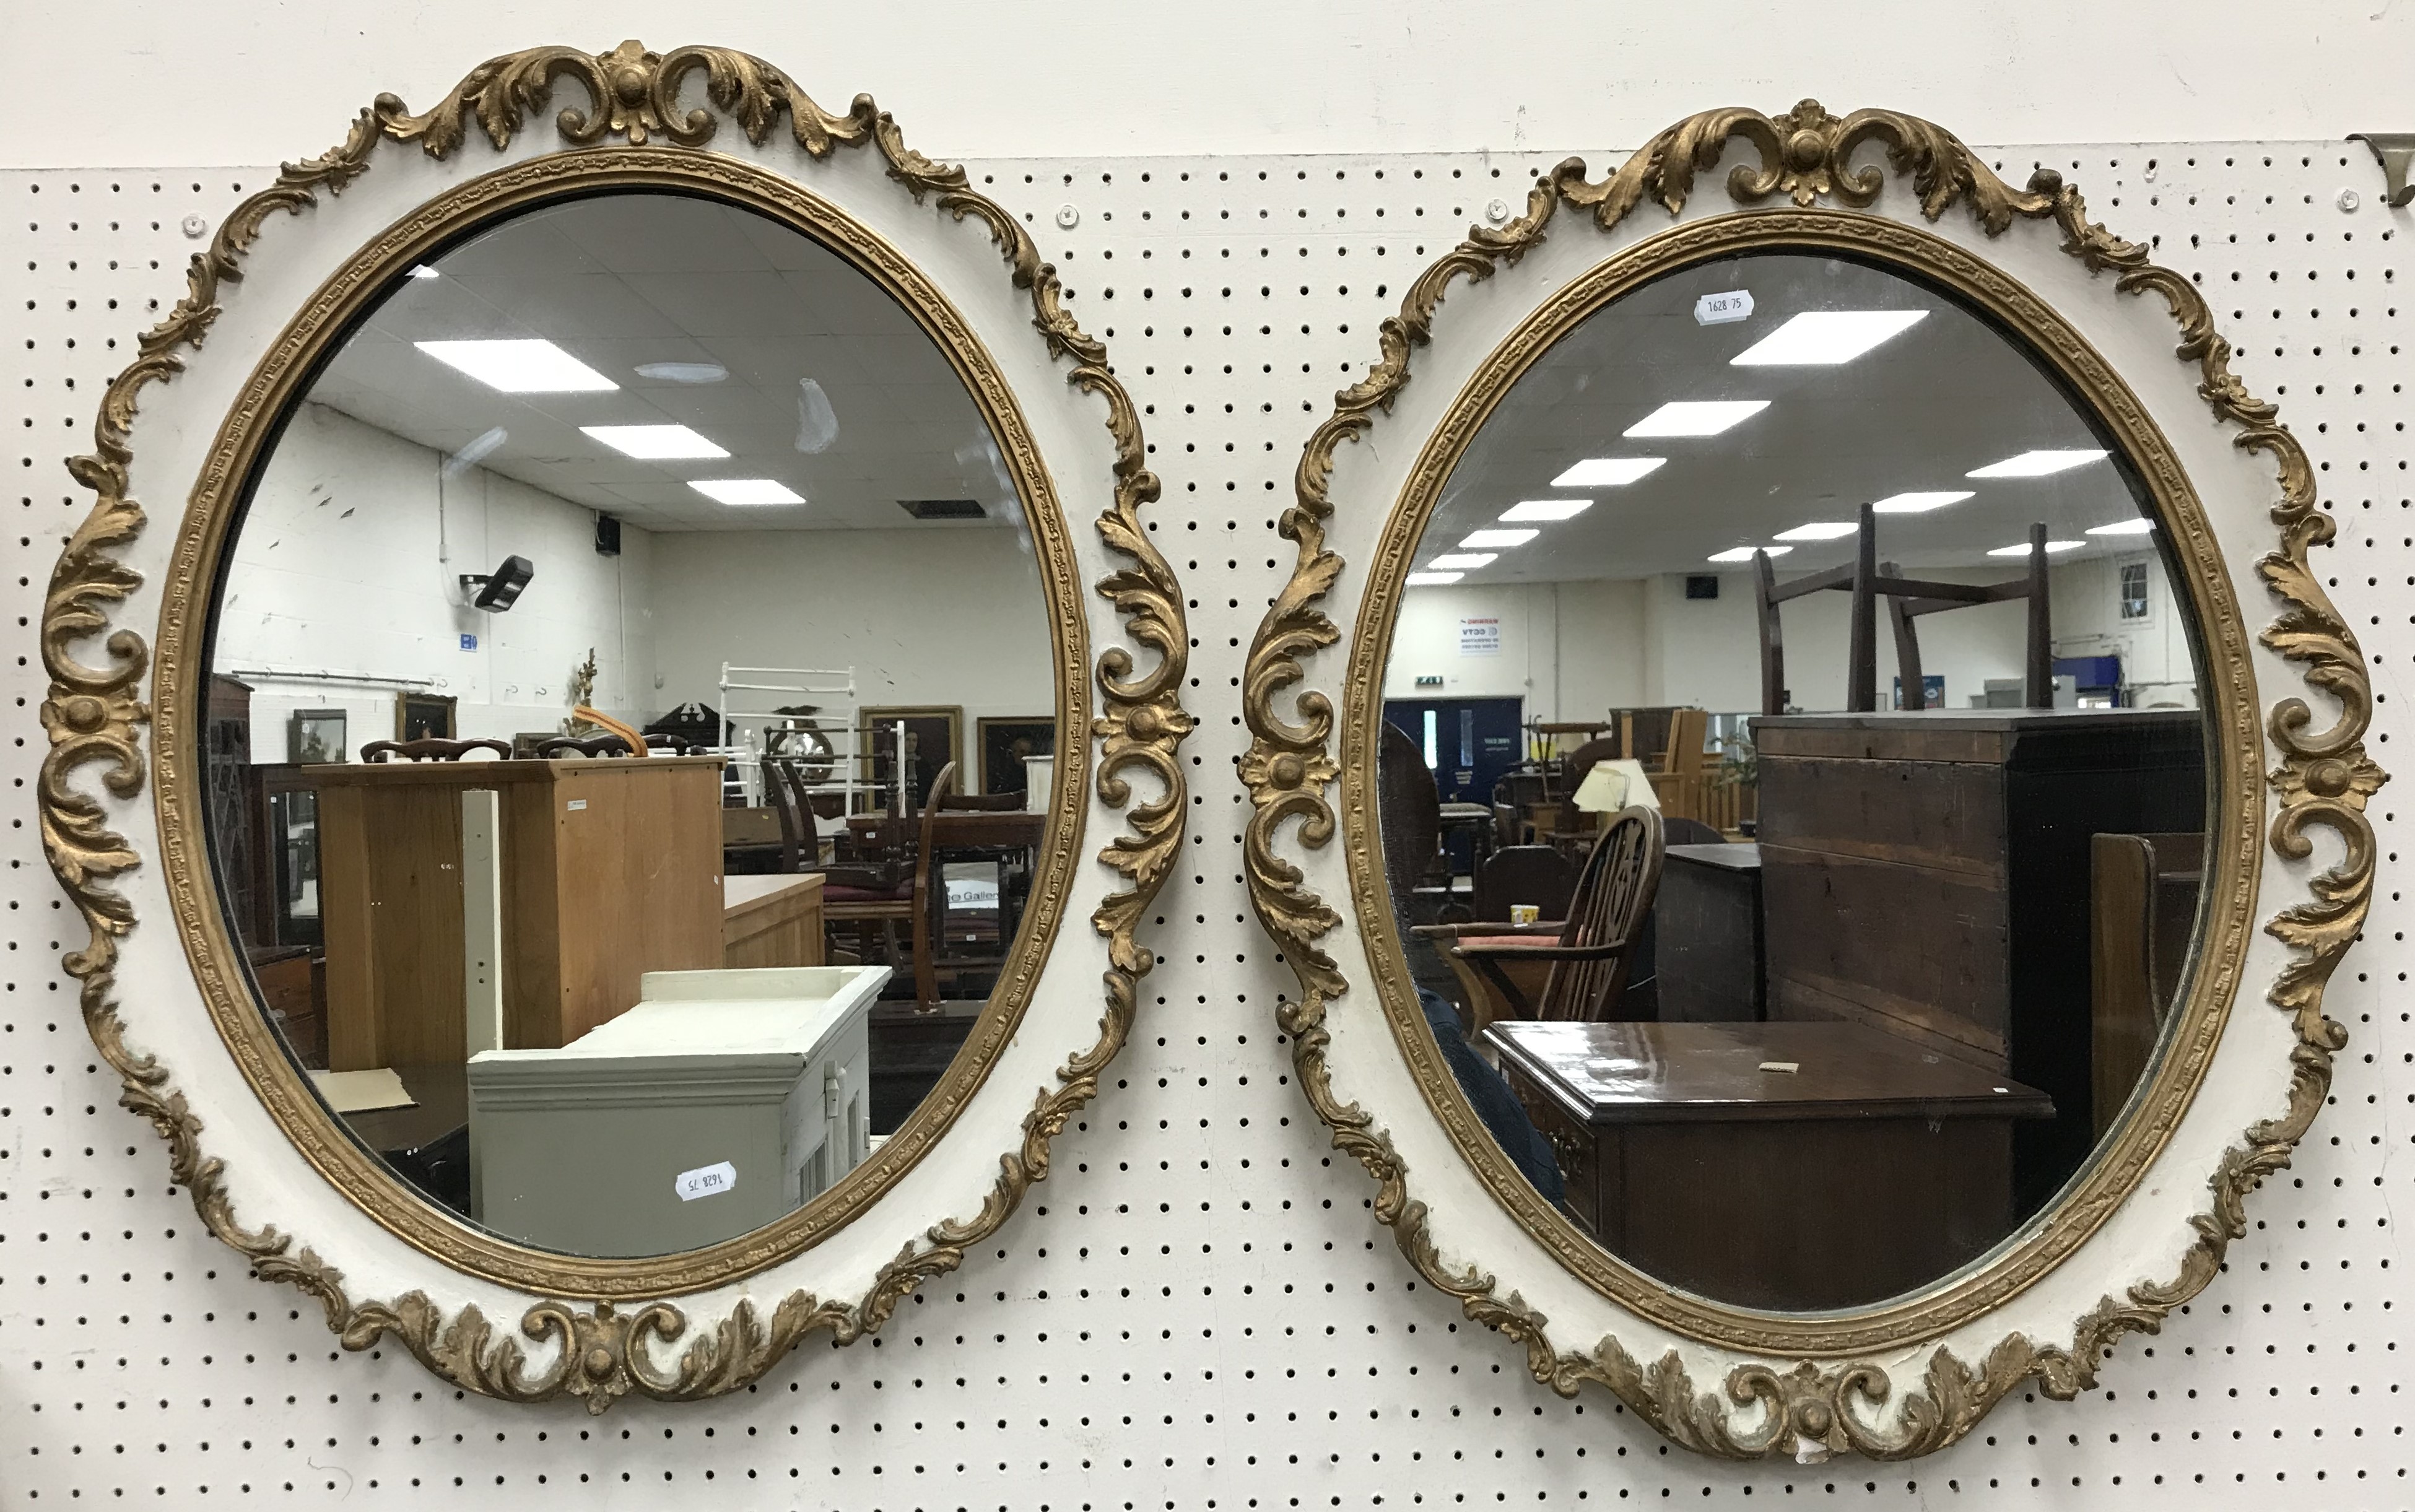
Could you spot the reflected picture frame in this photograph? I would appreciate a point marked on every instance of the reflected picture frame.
(170, 1008)
(2145, 1225)
(934, 740)
(425, 717)
(316, 735)
(1002, 744)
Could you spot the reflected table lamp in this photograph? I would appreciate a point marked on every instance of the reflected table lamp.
(1612, 785)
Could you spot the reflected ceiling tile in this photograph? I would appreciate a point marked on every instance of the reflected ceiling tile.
(755, 302)
(1464, 560)
(2023, 548)
(1744, 553)
(2124, 526)
(651, 234)
(1479, 539)
(1432, 579)
(1817, 530)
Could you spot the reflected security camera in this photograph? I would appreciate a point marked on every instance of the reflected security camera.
(499, 590)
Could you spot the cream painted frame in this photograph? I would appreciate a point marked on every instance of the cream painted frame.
(636, 1327)
(2148, 1242)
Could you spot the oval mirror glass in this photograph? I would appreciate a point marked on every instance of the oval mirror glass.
(630, 723)
(1792, 785)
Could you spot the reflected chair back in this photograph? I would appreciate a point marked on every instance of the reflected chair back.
(1539, 874)
(1408, 810)
(801, 846)
(1514, 794)
(1581, 761)
(1614, 893)
(433, 748)
(603, 744)
(2143, 891)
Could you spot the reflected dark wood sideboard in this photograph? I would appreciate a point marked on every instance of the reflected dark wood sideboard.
(1870, 1168)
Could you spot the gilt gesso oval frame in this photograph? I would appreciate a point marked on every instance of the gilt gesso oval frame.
(2144, 1227)
(170, 1008)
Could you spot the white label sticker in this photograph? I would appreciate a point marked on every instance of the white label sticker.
(706, 1181)
(1723, 309)
(577, 803)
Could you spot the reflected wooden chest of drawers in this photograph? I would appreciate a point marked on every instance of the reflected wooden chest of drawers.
(1874, 1167)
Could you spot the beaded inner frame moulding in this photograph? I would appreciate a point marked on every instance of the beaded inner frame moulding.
(163, 992)
(2246, 1064)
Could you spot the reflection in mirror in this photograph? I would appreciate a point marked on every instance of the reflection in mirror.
(1792, 782)
(643, 469)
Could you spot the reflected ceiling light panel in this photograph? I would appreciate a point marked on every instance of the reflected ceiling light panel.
(1919, 504)
(654, 443)
(2023, 549)
(1824, 338)
(1816, 530)
(479, 448)
(1463, 560)
(2035, 464)
(1696, 417)
(421, 270)
(682, 372)
(1744, 553)
(2124, 526)
(747, 492)
(1606, 471)
(1432, 579)
(1547, 509)
(1478, 540)
(519, 366)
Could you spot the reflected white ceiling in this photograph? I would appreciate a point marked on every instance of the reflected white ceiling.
(1917, 413)
(633, 279)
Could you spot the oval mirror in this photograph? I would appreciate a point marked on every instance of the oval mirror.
(1803, 777)
(1792, 772)
(651, 781)
(632, 722)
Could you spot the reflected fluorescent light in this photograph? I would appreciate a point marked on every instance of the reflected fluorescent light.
(682, 372)
(529, 367)
(747, 492)
(1432, 579)
(1478, 540)
(1547, 509)
(1606, 471)
(1816, 530)
(1824, 338)
(2124, 526)
(2023, 549)
(421, 270)
(654, 443)
(2035, 464)
(1468, 561)
(1919, 504)
(1696, 417)
(1744, 553)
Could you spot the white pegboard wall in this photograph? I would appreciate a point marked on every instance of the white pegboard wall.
(1196, 1310)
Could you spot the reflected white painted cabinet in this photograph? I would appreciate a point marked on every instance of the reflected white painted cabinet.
(720, 1101)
